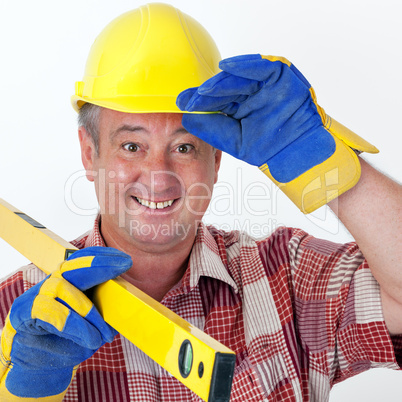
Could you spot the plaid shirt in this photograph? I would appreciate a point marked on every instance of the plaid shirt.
(301, 314)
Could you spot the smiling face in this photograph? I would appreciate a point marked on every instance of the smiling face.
(153, 179)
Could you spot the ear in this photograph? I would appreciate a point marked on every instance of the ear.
(88, 152)
(218, 158)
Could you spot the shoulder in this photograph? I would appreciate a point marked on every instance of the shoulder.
(239, 239)
(298, 243)
(286, 246)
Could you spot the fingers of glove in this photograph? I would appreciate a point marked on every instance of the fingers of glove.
(32, 352)
(286, 93)
(253, 67)
(43, 365)
(68, 310)
(184, 97)
(220, 131)
(203, 103)
(90, 331)
(246, 76)
(224, 84)
(59, 308)
(261, 68)
(39, 384)
(227, 105)
(94, 265)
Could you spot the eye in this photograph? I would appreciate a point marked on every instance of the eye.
(184, 148)
(131, 147)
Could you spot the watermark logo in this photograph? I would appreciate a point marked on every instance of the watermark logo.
(251, 206)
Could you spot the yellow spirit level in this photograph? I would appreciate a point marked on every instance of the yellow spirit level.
(200, 362)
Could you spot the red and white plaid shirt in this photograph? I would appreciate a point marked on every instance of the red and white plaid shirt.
(301, 314)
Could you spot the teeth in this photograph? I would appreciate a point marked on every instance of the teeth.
(154, 205)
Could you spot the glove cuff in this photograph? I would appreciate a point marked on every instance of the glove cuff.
(350, 138)
(331, 178)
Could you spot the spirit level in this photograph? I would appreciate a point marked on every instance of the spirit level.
(200, 362)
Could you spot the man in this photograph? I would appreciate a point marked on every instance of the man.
(300, 313)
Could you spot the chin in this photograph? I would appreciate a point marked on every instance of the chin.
(157, 245)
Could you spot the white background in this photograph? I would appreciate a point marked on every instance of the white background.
(350, 51)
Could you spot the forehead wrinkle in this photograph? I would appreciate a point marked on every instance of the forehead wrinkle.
(127, 128)
(138, 128)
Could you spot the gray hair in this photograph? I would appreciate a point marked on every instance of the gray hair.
(88, 117)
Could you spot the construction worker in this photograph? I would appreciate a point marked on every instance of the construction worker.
(156, 109)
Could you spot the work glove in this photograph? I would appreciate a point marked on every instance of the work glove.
(53, 327)
(268, 116)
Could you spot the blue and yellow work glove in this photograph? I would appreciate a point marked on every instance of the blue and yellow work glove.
(269, 117)
(53, 327)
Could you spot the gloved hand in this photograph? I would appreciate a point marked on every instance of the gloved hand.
(269, 117)
(53, 326)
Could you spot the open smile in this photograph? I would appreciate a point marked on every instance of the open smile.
(154, 204)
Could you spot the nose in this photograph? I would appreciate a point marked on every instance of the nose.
(159, 175)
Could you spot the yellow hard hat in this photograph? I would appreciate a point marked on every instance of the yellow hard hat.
(143, 59)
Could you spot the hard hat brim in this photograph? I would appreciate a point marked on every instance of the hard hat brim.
(135, 104)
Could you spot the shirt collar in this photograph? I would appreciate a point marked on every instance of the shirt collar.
(95, 237)
(205, 259)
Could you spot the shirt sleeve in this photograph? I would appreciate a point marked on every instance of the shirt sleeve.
(338, 309)
(15, 285)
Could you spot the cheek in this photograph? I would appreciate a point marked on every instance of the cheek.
(198, 198)
(199, 189)
(113, 178)
(123, 173)
(117, 171)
